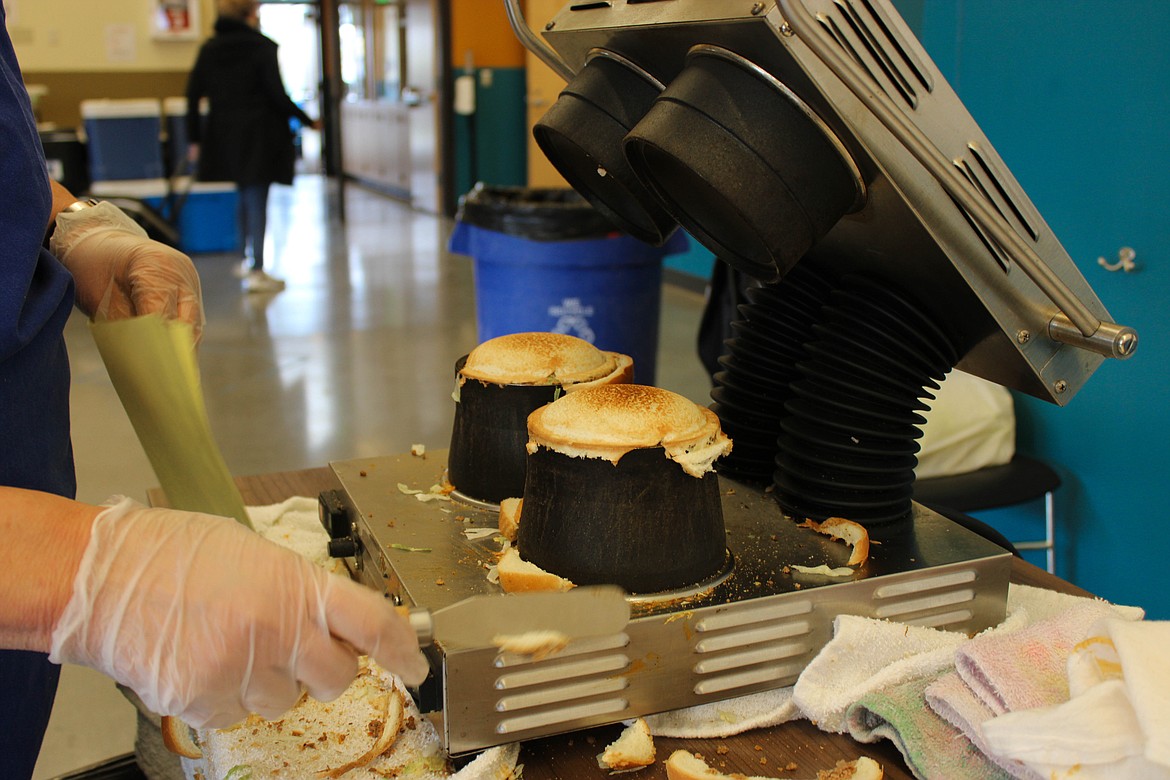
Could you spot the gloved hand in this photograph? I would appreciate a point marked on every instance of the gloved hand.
(120, 272)
(208, 621)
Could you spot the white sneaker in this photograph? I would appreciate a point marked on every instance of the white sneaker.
(242, 269)
(260, 282)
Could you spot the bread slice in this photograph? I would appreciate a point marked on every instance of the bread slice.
(510, 509)
(518, 575)
(370, 732)
(687, 766)
(632, 749)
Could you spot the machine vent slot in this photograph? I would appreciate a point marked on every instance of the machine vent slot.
(734, 618)
(589, 6)
(931, 603)
(901, 589)
(574, 714)
(773, 675)
(560, 694)
(755, 655)
(763, 633)
(959, 618)
(543, 674)
(898, 45)
(993, 246)
(869, 42)
(831, 27)
(981, 171)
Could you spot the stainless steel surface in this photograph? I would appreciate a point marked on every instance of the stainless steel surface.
(480, 621)
(752, 630)
(944, 218)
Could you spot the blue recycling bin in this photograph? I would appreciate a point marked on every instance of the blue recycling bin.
(546, 261)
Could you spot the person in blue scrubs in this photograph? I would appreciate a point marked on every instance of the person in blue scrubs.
(201, 618)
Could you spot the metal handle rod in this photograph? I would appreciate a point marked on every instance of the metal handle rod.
(534, 44)
(947, 175)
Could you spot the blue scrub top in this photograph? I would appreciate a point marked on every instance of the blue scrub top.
(36, 296)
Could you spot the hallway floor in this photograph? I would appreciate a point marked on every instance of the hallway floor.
(354, 359)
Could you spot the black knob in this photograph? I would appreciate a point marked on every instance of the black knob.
(343, 548)
(334, 514)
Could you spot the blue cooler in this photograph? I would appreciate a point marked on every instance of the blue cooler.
(175, 124)
(208, 216)
(546, 261)
(123, 139)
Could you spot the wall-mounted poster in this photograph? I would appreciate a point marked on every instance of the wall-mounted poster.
(176, 20)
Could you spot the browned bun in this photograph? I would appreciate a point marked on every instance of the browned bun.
(542, 359)
(608, 421)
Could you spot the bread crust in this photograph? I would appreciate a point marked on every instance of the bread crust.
(180, 738)
(609, 421)
(633, 748)
(541, 359)
(853, 534)
(519, 576)
(509, 521)
(683, 765)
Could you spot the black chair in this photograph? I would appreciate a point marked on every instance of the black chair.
(1022, 480)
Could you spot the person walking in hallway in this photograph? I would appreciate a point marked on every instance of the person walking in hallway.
(246, 137)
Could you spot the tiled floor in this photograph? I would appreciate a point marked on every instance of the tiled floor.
(354, 358)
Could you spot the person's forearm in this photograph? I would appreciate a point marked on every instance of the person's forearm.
(61, 199)
(44, 537)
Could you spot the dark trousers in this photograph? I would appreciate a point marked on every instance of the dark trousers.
(28, 683)
(253, 213)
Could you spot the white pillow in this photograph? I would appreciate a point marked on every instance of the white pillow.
(971, 424)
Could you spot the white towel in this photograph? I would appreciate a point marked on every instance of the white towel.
(1001, 672)
(868, 655)
(1027, 668)
(1116, 723)
(726, 718)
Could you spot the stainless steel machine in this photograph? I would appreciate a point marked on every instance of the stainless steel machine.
(813, 145)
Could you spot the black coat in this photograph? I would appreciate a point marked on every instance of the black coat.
(246, 136)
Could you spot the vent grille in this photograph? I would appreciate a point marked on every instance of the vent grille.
(992, 185)
(866, 36)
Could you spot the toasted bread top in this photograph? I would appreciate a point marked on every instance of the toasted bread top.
(608, 421)
(540, 359)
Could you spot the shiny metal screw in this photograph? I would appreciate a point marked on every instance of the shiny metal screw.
(1023, 337)
(1060, 386)
(550, 25)
(757, 9)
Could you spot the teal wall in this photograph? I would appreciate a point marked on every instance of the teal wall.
(491, 144)
(1074, 97)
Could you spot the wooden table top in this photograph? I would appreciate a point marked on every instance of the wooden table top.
(759, 752)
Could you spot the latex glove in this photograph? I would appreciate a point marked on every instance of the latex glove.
(208, 621)
(120, 272)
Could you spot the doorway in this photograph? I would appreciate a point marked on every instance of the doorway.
(296, 29)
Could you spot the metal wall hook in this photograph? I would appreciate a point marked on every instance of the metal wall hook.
(1125, 261)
